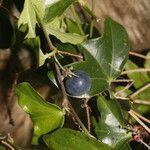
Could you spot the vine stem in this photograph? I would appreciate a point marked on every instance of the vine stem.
(136, 70)
(139, 55)
(77, 19)
(139, 121)
(65, 101)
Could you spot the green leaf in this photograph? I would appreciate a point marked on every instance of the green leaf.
(64, 37)
(70, 139)
(110, 50)
(55, 8)
(45, 116)
(140, 78)
(32, 9)
(109, 128)
(28, 16)
(104, 57)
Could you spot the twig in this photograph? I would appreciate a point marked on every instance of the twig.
(132, 96)
(65, 102)
(139, 121)
(135, 70)
(139, 55)
(69, 54)
(141, 117)
(142, 102)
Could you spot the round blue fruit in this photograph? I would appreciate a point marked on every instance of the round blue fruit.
(78, 84)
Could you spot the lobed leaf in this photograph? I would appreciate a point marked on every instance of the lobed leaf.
(104, 56)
